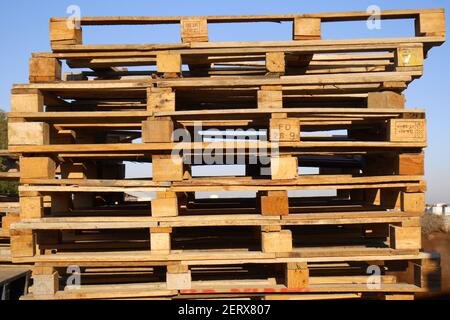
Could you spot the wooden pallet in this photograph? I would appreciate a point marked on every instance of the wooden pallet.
(240, 58)
(260, 236)
(194, 29)
(74, 133)
(402, 275)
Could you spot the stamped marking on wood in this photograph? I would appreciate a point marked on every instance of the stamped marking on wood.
(407, 130)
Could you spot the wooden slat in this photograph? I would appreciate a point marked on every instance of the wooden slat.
(326, 17)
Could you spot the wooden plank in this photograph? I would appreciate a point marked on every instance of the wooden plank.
(223, 257)
(72, 223)
(326, 17)
(9, 176)
(286, 80)
(121, 147)
(95, 182)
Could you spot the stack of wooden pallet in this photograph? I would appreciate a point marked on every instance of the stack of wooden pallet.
(307, 114)
(9, 205)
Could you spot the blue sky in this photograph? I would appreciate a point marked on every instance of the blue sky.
(24, 29)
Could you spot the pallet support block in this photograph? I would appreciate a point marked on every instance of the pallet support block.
(194, 30)
(44, 70)
(284, 167)
(7, 220)
(405, 238)
(275, 62)
(410, 164)
(37, 168)
(178, 277)
(270, 97)
(274, 203)
(160, 240)
(165, 205)
(407, 130)
(160, 99)
(28, 133)
(284, 129)
(27, 102)
(430, 25)
(23, 243)
(167, 168)
(276, 241)
(45, 281)
(157, 130)
(168, 63)
(413, 202)
(31, 207)
(296, 275)
(385, 99)
(65, 33)
(409, 58)
(307, 29)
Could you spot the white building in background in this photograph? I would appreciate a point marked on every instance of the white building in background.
(438, 209)
(447, 210)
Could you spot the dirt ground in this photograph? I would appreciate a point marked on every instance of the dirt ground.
(440, 242)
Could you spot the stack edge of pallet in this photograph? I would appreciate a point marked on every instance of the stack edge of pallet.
(311, 115)
(9, 204)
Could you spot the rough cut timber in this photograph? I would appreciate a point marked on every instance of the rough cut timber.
(234, 140)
